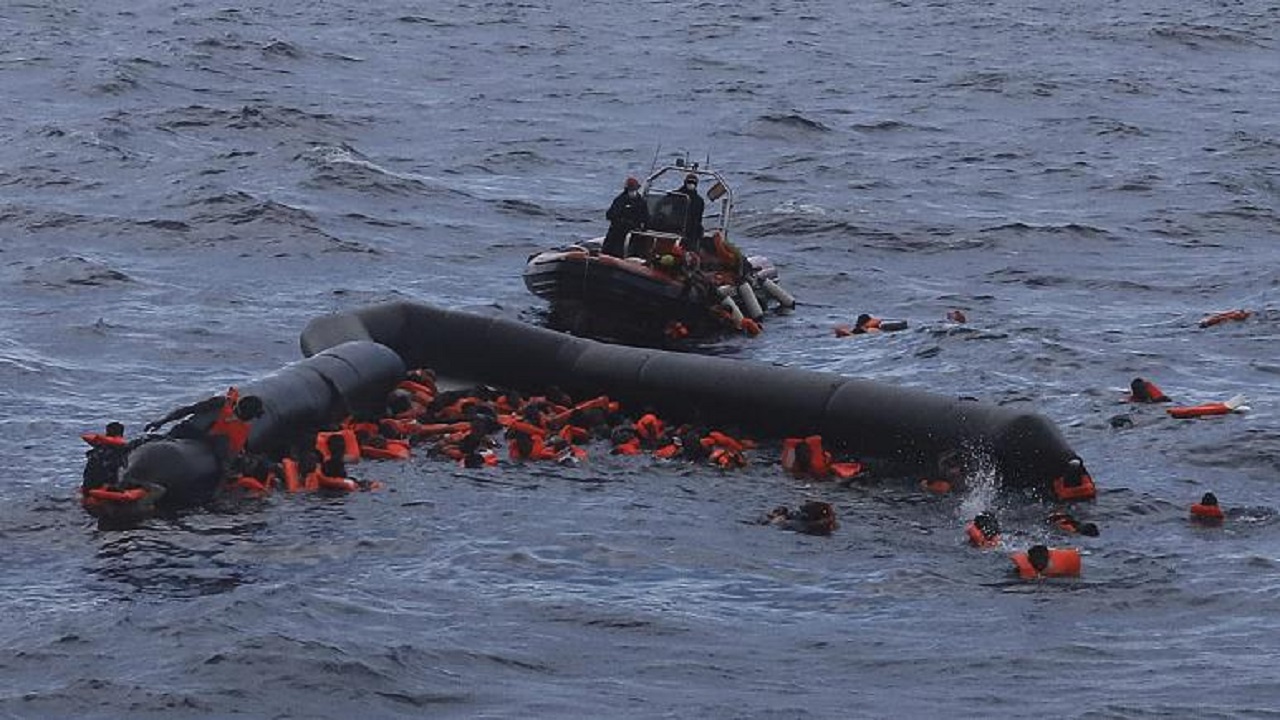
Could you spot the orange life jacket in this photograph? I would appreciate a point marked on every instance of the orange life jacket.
(351, 447)
(727, 458)
(317, 480)
(978, 539)
(1063, 562)
(115, 496)
(649, 428)
(1195, 411)
(537, 449)
(423, 394)
(1209, 514)
(292, 483)
(103, 440)
(630, 447)
(394, 450)
(668, 451)
(845, 470)
(819, 463)
(235, 430)
(1085, 490)
(601, 402)
(1216, 318)
(715, 438)
(1151, 393)
(937, 486)
(252, 484)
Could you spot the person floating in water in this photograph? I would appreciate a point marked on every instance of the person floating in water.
(627, 212)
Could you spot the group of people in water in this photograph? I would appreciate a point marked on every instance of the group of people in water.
(477, 427)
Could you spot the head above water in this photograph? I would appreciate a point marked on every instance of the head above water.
(1038, 556)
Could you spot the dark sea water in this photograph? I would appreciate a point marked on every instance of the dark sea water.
(184, 185)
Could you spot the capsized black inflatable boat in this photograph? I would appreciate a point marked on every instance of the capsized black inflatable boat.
(867, 418)
(303, 396)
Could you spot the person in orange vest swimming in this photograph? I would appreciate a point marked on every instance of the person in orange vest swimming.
(984, 530)
(805, 457)
(1068, 524)
(1075, 483)
(1145, 391)
(1207, 511)
(1040, 561)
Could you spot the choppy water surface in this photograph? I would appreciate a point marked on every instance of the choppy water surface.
(183, 186)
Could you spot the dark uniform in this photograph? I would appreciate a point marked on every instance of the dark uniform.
(627, 212)
(693, 216)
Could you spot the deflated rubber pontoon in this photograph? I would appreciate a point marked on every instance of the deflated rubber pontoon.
(349, 378)
(867, 418)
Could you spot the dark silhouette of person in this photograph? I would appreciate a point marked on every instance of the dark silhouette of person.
(693, 214)
(627, 212)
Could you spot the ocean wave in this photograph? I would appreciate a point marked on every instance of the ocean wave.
(1199, 36)
(784, 125)
(341, 166)
(1021, 228)
(72, 271)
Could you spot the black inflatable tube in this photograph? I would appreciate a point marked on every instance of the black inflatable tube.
(867, 418)
(299, 398)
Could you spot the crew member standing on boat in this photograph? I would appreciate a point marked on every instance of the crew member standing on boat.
(693, 215)
(628, 212)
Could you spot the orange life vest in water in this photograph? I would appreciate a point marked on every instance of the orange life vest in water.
(1063, 562)
(977, 538)
(1082, 490)
(227, 425)
(1208, 514)
(102, 440)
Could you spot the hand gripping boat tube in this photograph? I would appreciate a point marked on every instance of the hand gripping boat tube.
(864, 417)
(349, 378)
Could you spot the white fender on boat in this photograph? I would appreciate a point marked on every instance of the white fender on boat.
(775, 291)
(726, 301)
(750, 303)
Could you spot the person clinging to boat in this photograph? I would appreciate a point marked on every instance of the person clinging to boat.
(627, 212)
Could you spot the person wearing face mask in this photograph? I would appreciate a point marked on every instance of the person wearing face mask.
(627, 212)
(693, 216)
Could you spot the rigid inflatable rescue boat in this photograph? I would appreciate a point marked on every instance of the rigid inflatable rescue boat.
(660, 277)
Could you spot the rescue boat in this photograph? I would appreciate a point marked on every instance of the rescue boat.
(660, 284)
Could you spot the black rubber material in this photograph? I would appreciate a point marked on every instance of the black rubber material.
(298, 399)
(867, 418)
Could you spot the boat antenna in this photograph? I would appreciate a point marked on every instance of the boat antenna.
(654, 165)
